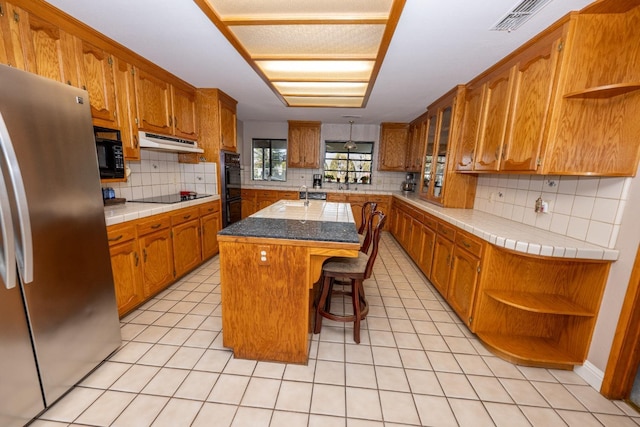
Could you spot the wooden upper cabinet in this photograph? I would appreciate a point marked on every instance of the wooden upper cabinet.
(216, 119)
(494, 121)
(440, 183)
(474, 100)
(417, 135)
(154, 103)
(595, 125)
(394, 141)
(96, 77)
(303, 150)
(126, 107)
(535, 74)
(228, 119)
(14, 29)
(45, 47)
(184, 113)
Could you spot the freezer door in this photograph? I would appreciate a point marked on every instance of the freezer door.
(69, 298)
(20, 395)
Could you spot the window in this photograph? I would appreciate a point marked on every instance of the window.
(342, 165)
(269, 159)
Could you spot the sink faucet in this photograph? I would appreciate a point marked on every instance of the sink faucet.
(306, 194)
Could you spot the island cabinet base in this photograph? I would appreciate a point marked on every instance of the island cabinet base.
(267, 294)
(538, 311)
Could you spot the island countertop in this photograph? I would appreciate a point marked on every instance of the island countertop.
(287, 219)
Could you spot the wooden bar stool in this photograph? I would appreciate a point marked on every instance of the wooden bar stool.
(353, 272)
(368, 208)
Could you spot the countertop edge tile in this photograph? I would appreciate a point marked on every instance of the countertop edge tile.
(131, 211)
(512, 235)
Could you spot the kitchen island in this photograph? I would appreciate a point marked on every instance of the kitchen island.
(269, 263)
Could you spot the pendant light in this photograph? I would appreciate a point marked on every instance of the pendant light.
(350, 145)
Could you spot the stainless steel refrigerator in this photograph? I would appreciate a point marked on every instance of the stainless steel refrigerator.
(58, 315)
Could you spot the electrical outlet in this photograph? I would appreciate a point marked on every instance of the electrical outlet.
(263, 255)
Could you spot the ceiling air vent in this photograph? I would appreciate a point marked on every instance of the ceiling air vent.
(520, 13)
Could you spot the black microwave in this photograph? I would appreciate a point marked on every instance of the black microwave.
(109, 151)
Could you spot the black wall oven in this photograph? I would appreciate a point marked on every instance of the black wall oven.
(230, 187)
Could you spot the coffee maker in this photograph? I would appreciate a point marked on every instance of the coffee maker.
(317, 180)
(409, 183)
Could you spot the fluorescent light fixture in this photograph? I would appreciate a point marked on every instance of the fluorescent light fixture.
(311, 53)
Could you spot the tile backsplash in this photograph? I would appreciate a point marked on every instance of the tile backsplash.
(584, 208)
(382, 181)
(159, 173)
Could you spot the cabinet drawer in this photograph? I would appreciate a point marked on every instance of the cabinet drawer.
(153, 224)
(470, 244)
(247, 194)
(357, 198)
(336, 197)
(184, 215)
(288, 195)
(120, 233)
(446, 231)
(430, 222)
(209, 208)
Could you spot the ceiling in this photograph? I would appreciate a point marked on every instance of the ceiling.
(437, 44)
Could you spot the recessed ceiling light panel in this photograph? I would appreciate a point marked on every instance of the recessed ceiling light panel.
(291, 44)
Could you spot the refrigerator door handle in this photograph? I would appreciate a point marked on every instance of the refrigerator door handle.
(8, 256)
(23, 254)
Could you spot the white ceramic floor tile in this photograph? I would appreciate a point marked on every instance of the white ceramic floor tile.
(166, 382)
(228, 389)
(222, 414)
(398, 407)
(141, 411)
(363, 403)
(470, 413)
(197, 385)
(72, 405)
(178, 413)
(261, 393)
(414, 349)
(328, 400)
(106, 408)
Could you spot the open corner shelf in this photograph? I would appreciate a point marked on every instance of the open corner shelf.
(529, 351)
(603, 92)
(540, 303)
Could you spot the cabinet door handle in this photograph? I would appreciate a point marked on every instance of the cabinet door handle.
(175, 121)
(186, 216)
(154, 226)
(135, 141)
(448, 259)
(144, 254)
(115, 239)
(170, 121)
(497, 153)
(135, 256)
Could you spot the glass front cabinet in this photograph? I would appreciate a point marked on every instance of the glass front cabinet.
(440, 183)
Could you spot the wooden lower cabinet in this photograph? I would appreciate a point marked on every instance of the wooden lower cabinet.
(157, 261)
(528, 309)
(465, 272)
(149, 254)
(210, 224)
(441, 268)
(126, 266)
(187, 251)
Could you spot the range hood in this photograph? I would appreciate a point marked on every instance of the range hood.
(154, 141)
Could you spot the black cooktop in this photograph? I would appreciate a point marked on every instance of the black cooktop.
(171, 198)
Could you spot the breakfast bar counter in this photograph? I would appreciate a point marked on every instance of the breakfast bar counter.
(269, 263)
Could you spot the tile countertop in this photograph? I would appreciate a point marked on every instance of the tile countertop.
(513, 235)
(134, 210)
(291, 219)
